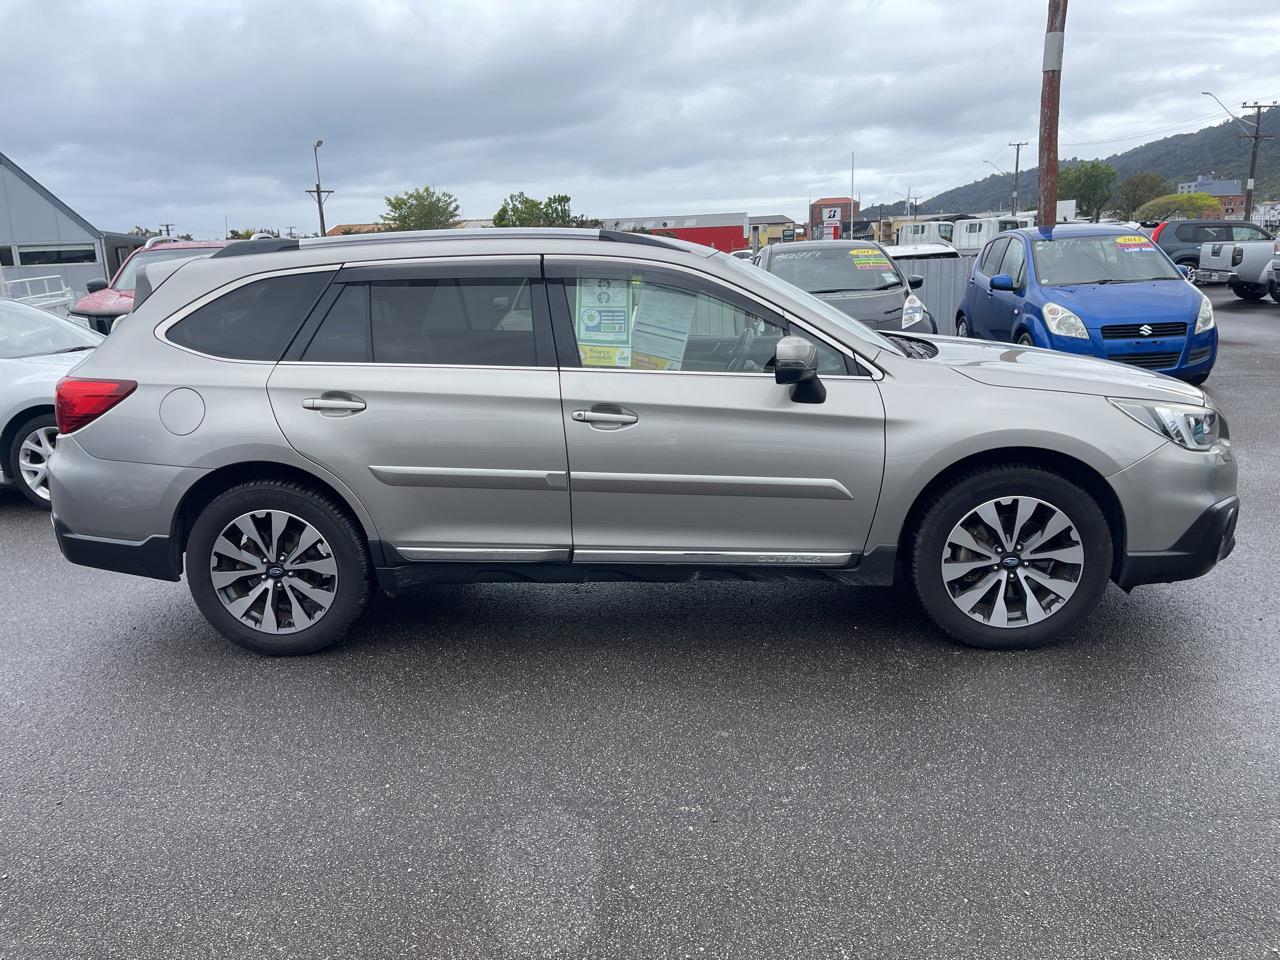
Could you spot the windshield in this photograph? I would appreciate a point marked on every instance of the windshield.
(1108, 259)
(26, 331)
(859, 332)
(833, 269)
(128, 279)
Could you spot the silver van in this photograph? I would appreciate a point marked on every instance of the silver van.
(296, 423)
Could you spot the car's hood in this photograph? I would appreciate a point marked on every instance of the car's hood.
(105, 303)
(52, 362)
(1030, 368)
(874, 307)
(1151, 300)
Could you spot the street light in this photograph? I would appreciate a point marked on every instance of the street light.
(319, 194)
(1241, 123)
(995, 168)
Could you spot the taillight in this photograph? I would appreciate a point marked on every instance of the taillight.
(81, 401)
(1155, 234)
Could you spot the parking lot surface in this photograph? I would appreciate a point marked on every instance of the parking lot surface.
(705, 769)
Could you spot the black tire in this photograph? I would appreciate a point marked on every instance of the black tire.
(1249, 291)
(42, 421)
(962, 326)
(345, 539)
(1024, 340)
(948, 508)
(1274, 286)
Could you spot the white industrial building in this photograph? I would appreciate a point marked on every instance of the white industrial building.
(40, 236)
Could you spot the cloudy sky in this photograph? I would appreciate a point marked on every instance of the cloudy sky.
(140, 112)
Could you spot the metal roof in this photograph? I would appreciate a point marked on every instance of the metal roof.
(39, 188)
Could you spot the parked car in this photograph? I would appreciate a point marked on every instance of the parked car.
(855, 276)
(1181, 239)
(36, 349)
(105, 302)
(1091, 289)
(1245, 266)
(294, 423)
(906, 255)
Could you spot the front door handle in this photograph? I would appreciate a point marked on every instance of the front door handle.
(334, 405)
(599, 416)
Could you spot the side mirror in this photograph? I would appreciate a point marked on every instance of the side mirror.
(93, 286)
(1002, 281)
(915, 281)
(796, 362)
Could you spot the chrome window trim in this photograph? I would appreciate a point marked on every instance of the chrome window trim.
(451, 258)
(787, 315)
(175, 318)
(413, 366)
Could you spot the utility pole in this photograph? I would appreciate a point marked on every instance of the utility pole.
(853, 158)
(167, 228)
(1257, 138)
(320, 195)
(1017, 154)
(1050, 91)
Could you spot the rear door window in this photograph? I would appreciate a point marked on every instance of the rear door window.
(254, 321)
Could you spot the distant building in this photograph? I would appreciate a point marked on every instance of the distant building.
(769, 229)
(346, 229)
(723, 231)
(40, 236)
(1228, 193)
(832, 217)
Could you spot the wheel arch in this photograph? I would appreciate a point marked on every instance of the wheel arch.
(1063, 464)
(201, 493)
(10, 431)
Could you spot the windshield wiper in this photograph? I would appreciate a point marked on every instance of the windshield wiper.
(72, 349)
(838, 290)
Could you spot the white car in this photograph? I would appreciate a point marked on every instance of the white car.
(37, 348)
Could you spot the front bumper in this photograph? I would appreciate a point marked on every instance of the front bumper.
(1209, 539)
(1184, 356)
(154, 557)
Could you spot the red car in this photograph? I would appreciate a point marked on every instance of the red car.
(104, 302)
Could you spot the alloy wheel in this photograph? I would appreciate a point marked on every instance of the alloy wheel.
(273, 571)
(33, 460)
(1012, 562)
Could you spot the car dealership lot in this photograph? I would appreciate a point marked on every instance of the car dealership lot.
(710, 769)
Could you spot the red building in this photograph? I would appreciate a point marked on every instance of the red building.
(723, 231)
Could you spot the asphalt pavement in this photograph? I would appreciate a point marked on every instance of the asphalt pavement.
(702, 770)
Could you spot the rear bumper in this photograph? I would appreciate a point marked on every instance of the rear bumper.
(155, 557)
(1209, 539)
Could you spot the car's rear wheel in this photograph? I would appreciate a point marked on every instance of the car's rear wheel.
(1274, 286)
(278, 568)
(28, 457)
(962, 326)
(1011, 557)
(1191, 265)
(1249, 291)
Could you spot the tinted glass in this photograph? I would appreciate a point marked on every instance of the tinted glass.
(625, 321)
(252, 322)
(6, 255)
(55, 256)
(463, 322)
(836, 268)
(992, 256)
(128, 279)
(1015, 261)
(26, 331)
(1112, 259)
(1246, 232)
(344, 336)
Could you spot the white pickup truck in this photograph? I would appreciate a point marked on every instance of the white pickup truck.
(1249, 267)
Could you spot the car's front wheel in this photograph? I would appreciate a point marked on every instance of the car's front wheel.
(28, 457)
(1011, 557)
(278, 568)
(962, 326)
(1024, 340)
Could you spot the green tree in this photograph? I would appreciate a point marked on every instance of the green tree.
(1188, 205)
(521, 210)
(421, 209)
(1089, 185)
(1133, 192)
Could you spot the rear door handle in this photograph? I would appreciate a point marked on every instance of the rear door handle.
(334, 404)
(597, 416)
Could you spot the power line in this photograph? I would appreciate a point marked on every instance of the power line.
(1168, 128)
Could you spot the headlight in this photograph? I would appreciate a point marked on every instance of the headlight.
(912, 311)
(1204, 319)
(1196, 428)
(1063, 322)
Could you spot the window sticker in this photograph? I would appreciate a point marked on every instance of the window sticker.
(1135, 242)
(603, 314)
(662, 322)
(869, 258)
(888, 276)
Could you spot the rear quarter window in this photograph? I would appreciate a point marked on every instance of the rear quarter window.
(255, 321)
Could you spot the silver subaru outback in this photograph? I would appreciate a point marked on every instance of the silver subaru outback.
(297, 423)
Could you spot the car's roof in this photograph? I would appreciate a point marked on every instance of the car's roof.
(1072, 230)
(920, 250)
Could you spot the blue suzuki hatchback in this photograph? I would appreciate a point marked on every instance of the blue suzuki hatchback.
(1092, 289)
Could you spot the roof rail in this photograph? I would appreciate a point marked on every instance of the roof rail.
(266, 245)
(624, 236)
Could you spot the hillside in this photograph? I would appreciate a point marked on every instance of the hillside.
(1216, 149)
